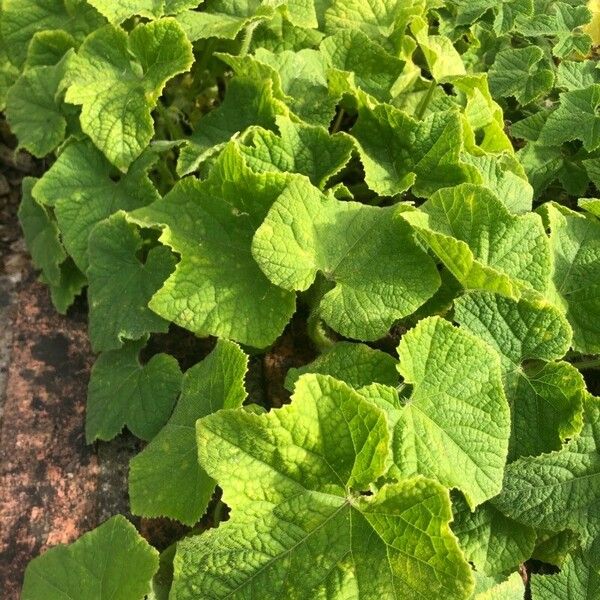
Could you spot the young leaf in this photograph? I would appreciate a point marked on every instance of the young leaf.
(398, 152)
(560, 490)
(305, 149)
(121, 285)
(354, 364)
(546, 397)
(294, 477)
(481, 243)
(217, 288)
(82, 188)
(306, 233)
(455, 426)
(122, 392)
(112, 562)
(165, 479)
(575, 243)
(117, 79)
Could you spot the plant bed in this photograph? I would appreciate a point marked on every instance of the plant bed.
(342, 268)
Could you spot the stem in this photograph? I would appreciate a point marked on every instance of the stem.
(218, 512)
(582, 365)
(247, 38)
(338, 121)
(318, 335)
(172, 127)
(426, 100)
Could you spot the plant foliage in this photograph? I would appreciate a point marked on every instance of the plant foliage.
(413, 182)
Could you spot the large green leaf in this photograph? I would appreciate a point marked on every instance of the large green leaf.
(22, 19)
(306, 233)
(293, 478)
(123, 392)
(522, 73)
(546, 397)
(41, 234)
(121, 285)
(34, 111)
(305, 149)
(221, 124)
(116, 12)
(576, 118)
(560, 490)
(217, 288)
(112, 562)
(368, 65)
(482, 244)
(494, 543)
(165, 479)
(399, 152)
(575, 243)
(117, 78)
(577, 579)
(354, 364)
(455, 426)
(83, 189)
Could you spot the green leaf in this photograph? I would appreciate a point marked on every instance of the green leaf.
(576, 118)
(300, 148)
(217, 288)
(117, 79)
(22, 19)
(522, 73)
(511, 589)
(442, 58)
(48, 48)
(560, 490)
(481, 243)
(41, 235)
(294, 476)
(575, 244)
(546, 398)
(455, 426)
(117, 12)
(354, 364)
(491, 541)
(574, 75)
(165, 479)
(121, 285)
(577, 579)
(304, 77)
(34, 110)
(204, 25)
(72, 282)
(505, 177)
(398, 152)
(123, 392)
(112, 562)
(221, 124)
(307, 232)
(379, 19)
(369, 66)
(83, 190)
